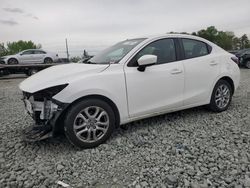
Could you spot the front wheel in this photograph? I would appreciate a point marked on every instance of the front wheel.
(89, 123)
(221, 96)
(12, 61)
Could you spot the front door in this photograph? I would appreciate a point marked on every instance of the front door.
(26, 56)
(160, 87)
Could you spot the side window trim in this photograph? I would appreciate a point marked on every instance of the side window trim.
(178, 49)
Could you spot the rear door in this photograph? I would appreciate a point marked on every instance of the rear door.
(201, 69)
(39, 56)
(160, 86)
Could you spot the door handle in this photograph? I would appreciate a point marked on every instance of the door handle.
(176, 71)
(213, 63)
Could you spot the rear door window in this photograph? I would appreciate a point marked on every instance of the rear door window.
(194, 48)
(39, 52)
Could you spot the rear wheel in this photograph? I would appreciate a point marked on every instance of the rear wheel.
(12, 61)
(248, 64)
(89, 123)
(31, 72)
(48, 60)
(221, 96)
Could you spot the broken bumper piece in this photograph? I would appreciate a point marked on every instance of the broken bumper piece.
(37, 133)
(45, 114)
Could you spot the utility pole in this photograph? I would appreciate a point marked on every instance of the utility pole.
(67, 50)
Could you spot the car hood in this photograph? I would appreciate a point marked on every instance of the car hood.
(59, 74)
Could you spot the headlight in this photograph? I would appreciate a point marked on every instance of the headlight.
(48, 93)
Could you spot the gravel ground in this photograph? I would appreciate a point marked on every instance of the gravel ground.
(191, 148)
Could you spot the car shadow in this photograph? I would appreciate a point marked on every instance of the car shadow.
(61, 143)
(155, 121)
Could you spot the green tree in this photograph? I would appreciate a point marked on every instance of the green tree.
(244, 42)
(236, 43)
(225, 40)
(210, 33)
(3, 50)
(15, 47)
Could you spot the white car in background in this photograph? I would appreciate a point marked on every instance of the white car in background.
(30, 56)
(131, 80)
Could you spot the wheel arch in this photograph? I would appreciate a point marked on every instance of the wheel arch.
(226, 78)
(12, 58)
(94, 96)
(47, 57)
(230, 81)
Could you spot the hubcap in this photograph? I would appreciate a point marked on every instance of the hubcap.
(222, 96)
(12, 61)
(91, 124)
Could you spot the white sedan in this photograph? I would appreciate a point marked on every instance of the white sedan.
(132, 80)
(29, 57)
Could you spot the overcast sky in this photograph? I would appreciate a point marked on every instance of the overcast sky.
(95, 24)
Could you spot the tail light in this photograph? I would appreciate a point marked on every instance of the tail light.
(235, 59)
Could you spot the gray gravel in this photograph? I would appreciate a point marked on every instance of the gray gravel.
(191, 148)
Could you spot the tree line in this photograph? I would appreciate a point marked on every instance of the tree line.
(15, 47)
(224, 39)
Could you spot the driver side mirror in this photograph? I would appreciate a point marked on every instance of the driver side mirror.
(146, 60)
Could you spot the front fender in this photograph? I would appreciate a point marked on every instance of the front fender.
(107, 84)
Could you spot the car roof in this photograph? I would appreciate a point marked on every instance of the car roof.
(33, 50)
(176, 35)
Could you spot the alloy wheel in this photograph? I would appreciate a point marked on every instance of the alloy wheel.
(91, 124)
(12, 61)
(222, 96)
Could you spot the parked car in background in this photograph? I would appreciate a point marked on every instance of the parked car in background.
(233, 51)
(30, 56)
(244, 57)
(131, 80)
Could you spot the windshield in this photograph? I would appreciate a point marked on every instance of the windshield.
(115, 53)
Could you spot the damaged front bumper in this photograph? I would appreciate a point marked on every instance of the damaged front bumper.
(45, 112)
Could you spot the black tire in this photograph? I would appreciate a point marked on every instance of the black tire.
(31, 72)
(48, 60)
(214, 106)
(247, 64)
(12, 61)
(71, 119)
